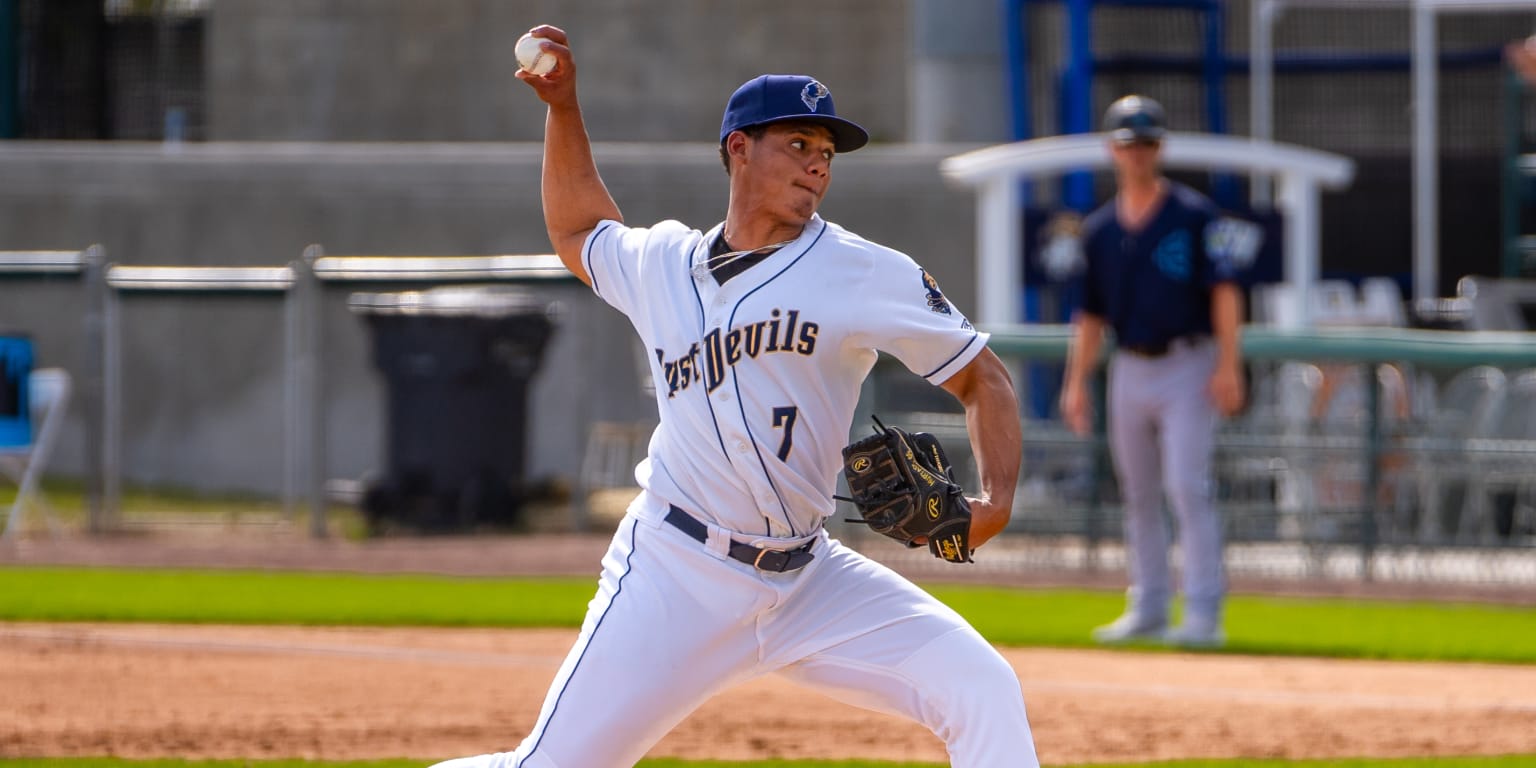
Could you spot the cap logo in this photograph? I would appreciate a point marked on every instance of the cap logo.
(813, 93)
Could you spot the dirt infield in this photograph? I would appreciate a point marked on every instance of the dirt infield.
(252, 692)
(333, 693)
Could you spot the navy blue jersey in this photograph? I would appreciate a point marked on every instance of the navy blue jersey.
(1153, 285)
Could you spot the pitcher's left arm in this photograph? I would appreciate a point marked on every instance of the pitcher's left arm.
(984, 387)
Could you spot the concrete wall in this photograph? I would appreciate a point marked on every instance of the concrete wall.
(958, 83)
(651, 70)
(203, 376)
(910, 70)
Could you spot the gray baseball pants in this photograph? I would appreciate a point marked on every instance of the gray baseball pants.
(1162, 427)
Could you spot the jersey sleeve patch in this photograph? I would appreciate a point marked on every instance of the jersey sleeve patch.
(935, 297)
(1232, 245)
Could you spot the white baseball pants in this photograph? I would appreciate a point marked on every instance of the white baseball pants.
(675, 621)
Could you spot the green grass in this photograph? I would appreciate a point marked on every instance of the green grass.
(1515, 761)
(1017, 617)
(275, 597)
(1273, 625)
(67, 497)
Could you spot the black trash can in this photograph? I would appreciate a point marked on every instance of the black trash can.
(457, 363)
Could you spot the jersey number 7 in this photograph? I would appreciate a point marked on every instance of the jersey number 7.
(784, 416)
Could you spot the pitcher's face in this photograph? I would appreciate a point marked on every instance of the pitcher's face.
(788, 170)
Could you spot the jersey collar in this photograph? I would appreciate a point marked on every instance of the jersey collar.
(808, 235)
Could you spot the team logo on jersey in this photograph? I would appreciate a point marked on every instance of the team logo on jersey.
(936, 300)
(813, 93)
(719, 351)
(1173, 255)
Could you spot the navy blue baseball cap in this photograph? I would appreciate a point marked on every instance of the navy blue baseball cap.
(777, 98)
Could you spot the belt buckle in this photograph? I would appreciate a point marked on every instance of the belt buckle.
(775, 564)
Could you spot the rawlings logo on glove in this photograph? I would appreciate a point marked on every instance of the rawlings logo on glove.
(904, 488)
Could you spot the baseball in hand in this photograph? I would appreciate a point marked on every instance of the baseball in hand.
(531, 57)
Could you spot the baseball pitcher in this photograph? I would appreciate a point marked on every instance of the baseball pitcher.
(760, 331)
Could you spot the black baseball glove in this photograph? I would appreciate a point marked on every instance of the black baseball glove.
(904, 487)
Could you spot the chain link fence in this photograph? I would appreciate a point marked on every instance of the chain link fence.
(1342, 84)
(1439, 489)
(120, 69)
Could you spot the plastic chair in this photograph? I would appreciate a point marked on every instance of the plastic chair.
(24, 464)
(1340, 415)
(1382, 302)
(1467, 410)
(613, 450)
(1509, 466)
(1271, 304)
(1334, 302)
(1274, 431)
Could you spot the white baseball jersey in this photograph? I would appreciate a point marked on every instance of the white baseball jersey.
(757, 379)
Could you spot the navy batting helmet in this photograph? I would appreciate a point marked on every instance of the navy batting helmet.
(1135, 118)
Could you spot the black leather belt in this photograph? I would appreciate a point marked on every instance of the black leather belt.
(775, 560)
(1158, 348)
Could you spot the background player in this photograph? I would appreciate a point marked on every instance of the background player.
(1161, 273)
(721, 571)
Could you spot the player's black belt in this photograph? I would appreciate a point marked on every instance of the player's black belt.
(1154, 349)
(775, 560)
(1157, 348)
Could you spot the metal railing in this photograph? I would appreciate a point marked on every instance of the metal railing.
(300, 287)
(1303, 494)
(126, 282)
(89, 267)
(1363, 447)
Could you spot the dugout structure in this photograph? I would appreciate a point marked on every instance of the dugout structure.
(1360, 78)
(997, 171)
